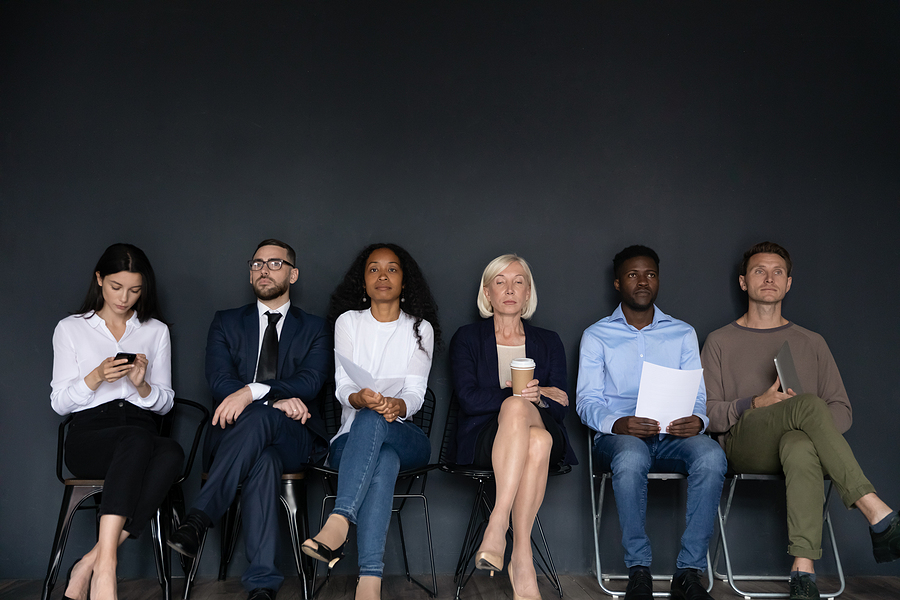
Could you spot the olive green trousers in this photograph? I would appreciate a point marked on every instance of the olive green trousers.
(798, 437)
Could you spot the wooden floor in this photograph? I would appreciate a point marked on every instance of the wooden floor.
(481, 587)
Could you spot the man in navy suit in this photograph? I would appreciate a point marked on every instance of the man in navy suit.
(265, 364)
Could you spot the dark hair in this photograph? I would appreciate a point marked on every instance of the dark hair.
(417, 299)
(766, 248)
(291, 255)
(115, 259)
(632, 252)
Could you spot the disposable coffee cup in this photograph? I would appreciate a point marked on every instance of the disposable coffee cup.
(522, 372)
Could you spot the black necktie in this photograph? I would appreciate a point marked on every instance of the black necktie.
(268, 354)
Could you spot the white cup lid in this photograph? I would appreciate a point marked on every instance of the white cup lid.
(521, 363)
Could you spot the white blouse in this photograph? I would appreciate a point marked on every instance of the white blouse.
(386, 351)
(81, 344)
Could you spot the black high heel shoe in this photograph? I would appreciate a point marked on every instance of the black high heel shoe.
(323, 552)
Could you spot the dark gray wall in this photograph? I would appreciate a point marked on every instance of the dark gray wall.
(561, 131)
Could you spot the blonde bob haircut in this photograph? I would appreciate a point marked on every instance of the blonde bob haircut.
(494, 268)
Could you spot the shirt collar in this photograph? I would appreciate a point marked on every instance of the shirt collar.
(658, 316)
(263, 309)
(95, 320)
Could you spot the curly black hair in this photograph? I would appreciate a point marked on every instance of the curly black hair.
(418, 302)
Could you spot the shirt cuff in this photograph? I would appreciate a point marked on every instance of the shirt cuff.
(742, 405)
(81, 393)
(258, 390)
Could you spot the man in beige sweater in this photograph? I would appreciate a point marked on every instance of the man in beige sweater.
(765, 430)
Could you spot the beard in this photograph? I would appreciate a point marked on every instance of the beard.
(634, 305)
(273, 291)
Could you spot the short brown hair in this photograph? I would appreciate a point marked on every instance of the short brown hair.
(766, 248)
(291, 255)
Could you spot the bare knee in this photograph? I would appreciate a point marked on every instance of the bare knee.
(515, 411)
(540, 444)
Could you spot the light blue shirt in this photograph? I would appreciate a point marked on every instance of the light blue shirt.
(612, 356)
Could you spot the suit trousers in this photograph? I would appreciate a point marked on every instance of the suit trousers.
(798, 436)
(253, 453)
(118, 442)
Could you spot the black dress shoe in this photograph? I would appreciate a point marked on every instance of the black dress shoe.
(803, 588)
(886, 545)
(262, 594)
(688, 586)
(186, 539)
(640, 586)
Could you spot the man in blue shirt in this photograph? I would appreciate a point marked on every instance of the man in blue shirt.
(612, 354)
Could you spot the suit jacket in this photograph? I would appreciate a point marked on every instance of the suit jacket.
(305, 353)
(476, 380)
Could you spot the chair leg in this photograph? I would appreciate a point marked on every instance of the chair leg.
(73, 497)
(161, 552)
(433, 591)
(294, 501)
(231, 527)
(550, 570)
(195, 564)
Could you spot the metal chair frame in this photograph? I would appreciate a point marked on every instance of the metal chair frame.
(293, 499)
(723, 550)
(78, 491)
(424, 419)
(482, 507)
(597, 514)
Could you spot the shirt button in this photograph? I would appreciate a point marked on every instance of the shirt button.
(121, 404)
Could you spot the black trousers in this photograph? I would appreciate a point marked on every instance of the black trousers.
(118, 442)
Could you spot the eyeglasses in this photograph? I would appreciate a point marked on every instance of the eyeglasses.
(274, 264)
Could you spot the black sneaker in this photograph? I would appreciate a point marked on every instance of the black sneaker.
(688, 586)
(886, 545)
(640, 586)
(804, 588)
(186, 539)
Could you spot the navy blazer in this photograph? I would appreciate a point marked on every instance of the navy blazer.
(476, 380)
(305, 353)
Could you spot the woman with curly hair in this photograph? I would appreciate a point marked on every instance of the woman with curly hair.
(385, 321)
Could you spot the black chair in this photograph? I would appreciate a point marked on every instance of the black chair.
(77, 491)
(482, 507)
(722, 547)
(423, 419)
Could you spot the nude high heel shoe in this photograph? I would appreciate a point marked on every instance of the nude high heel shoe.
(516, 596)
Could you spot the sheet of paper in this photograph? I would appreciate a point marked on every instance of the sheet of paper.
(386, 386)
(667, 394)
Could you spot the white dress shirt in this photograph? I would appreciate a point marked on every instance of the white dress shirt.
(259, 390)
(386, 351)
(80, 344)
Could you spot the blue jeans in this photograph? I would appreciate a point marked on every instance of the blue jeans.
(630, 458)
(367, 475)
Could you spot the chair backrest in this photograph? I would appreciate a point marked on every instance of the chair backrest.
(448, 443)
(425, 417)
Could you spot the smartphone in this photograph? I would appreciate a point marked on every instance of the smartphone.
(127, 355)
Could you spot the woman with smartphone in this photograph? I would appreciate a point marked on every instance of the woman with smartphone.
(112, 369)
